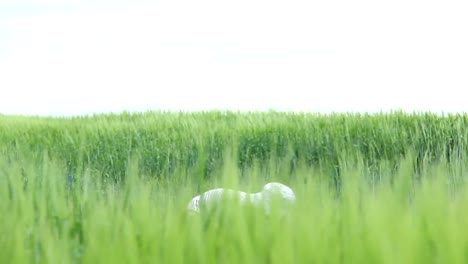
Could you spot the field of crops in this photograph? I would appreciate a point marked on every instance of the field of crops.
(380, 188)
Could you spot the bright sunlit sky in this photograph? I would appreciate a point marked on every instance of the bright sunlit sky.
(80, 56)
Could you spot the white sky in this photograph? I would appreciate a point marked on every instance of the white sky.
(82, 56)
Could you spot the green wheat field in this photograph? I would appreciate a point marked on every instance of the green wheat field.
(113, 188)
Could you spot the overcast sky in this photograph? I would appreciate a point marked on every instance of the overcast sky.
(82, 56)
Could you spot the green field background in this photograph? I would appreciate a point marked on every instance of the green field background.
(165, 141)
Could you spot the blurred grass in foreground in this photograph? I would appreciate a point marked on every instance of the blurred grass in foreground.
(401, 219)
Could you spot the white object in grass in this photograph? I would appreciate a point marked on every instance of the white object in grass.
(264, 197)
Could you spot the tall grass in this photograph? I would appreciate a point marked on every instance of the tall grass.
(114, 188)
